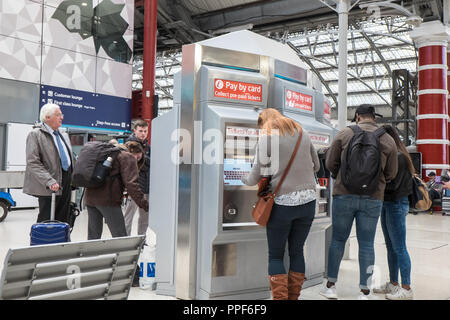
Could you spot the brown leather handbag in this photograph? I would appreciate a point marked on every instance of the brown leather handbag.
(263, 208)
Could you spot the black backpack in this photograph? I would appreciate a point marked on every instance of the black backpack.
(89, 161)
(361, 166)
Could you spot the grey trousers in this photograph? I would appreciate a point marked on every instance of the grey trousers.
(113, 217)
(129, 211)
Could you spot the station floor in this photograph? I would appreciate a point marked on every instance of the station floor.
(428, 239)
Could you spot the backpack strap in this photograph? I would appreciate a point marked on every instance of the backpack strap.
(355, 128)
(379, 132)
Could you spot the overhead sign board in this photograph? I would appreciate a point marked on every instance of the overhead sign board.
(237, 90)
(87, 109)
(297, 100)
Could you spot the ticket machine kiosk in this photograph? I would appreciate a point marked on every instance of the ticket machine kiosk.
(208, 246)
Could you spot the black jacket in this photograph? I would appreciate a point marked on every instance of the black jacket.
(144, 173)
(402, 184)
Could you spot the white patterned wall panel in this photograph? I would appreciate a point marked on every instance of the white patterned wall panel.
(68, 69)
(21, 19)
(20, 59)
(69, 59)
(128, 12)
(114, 78)
(56, 34)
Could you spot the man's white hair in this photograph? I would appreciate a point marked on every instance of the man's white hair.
(48, 110)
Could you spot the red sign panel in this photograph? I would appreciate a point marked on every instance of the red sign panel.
(326, 111)
(317, 138)
(237, 90)
(298, 100)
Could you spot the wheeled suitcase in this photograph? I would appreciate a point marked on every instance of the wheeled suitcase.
(50, 231)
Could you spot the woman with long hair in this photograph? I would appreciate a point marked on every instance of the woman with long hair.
(294, 207)
(393, 223)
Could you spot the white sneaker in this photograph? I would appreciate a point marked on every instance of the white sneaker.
(386, 288)
(369, 296)
(401, 294)
(329, 293)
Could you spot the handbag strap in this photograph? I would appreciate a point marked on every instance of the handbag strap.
(290, 163)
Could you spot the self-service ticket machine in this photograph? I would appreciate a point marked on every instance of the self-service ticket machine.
(289, 94)
(208, 246)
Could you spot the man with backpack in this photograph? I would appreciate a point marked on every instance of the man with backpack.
(361, 159)
(105, 170)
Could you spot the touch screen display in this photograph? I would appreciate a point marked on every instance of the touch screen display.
(239, 151)
(234, 170)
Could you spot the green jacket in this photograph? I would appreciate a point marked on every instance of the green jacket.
(43, 163)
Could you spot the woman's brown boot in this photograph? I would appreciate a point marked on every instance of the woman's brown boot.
(279, 286)
(295, 283)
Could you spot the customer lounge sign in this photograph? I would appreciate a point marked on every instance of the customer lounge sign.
(89, 110)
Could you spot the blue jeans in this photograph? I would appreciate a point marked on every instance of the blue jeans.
(291, 225)
(366, 211)
(393, 223)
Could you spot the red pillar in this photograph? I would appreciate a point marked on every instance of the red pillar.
(432, 113)
(148, 72)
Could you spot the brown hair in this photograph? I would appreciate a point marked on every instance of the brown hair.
(268, 114)
(400, 146)
(140, 123)
(270, 119)
(136, 147)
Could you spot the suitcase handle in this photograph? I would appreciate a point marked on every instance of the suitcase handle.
(52, 207)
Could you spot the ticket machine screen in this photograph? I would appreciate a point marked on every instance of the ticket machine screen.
(239, 151)
(234, 170)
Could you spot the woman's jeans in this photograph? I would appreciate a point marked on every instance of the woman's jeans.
(366, 211)
(289, 224)
(393, 223)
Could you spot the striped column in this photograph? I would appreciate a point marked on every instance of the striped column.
(432, 113)
(448, 94)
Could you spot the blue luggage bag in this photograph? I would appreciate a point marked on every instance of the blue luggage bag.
(51, 231)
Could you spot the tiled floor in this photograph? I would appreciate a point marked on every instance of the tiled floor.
(428, 238)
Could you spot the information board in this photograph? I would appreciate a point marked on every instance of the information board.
(87, 109)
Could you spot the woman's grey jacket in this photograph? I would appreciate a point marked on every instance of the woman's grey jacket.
(271, 160)
(43, 162)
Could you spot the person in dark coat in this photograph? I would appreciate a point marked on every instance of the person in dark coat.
(139, 135)
(105, 201)
(393, 223)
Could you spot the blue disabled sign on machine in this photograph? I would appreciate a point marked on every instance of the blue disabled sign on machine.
(89, 110)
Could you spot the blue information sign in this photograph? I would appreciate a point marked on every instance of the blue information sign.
(89, 110)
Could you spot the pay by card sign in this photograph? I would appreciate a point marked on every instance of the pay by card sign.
(298, 100)
(237, 90)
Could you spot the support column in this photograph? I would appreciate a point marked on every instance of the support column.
(448, 97)
(432, 113)
(342, 9)
(149, 55)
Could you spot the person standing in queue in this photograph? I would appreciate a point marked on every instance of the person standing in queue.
(49, 164)
(294, 208)
(349, 205)
(393, 223)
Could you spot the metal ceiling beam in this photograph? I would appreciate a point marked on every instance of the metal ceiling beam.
(332, 67)
(377, 51)
(313, 68)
